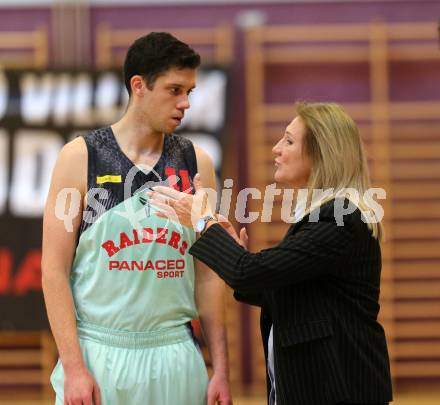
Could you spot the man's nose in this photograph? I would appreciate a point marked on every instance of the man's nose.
(183, 103)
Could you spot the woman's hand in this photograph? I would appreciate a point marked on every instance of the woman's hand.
(241, 239)
(183, 208)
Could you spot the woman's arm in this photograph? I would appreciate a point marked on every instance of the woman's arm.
(315, 250)
(253, 298)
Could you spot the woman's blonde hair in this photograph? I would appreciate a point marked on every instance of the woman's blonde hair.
(333, 144)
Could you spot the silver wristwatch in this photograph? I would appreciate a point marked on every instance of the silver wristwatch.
(202, 222)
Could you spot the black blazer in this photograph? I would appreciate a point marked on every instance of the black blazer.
(320, 289)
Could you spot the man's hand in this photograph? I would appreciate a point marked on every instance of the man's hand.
(218, 391)
(80, 388)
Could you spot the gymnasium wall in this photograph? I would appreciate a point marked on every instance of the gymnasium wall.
(403, 147)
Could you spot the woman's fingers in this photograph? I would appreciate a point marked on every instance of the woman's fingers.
(168, 192)
(172, 181)
(231, 231)
(162, 207)
(187, 207)
(197, 181)
(221, 218)
(227, 226)
(160, 198)
(244, 238)
(172, 209)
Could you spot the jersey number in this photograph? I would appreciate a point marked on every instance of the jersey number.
(183, 177)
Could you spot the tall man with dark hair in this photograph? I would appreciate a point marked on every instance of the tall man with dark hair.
(120, 286)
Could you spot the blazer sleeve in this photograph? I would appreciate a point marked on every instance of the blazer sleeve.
(316, 249)
(252, 298)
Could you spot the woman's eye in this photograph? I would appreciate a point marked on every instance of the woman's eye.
(289, 142)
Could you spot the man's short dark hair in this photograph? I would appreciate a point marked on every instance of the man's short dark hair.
(152, 55)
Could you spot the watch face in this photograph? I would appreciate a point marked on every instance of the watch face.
(200, 225)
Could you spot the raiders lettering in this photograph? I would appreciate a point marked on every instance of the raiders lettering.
(163, 268)
(146, 235)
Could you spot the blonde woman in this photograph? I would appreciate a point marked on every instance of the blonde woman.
(318, 289)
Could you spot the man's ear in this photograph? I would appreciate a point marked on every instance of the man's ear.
(138, 85)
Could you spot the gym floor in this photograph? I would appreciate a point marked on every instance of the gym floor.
(432, 398)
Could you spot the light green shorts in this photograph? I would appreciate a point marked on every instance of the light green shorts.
(141, 368)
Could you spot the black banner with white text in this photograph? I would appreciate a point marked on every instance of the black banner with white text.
(39, 112)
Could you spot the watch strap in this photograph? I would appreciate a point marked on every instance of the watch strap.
(206, 220)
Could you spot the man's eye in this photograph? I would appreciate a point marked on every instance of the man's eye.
(175, 90)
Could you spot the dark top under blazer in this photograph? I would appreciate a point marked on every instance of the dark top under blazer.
(320, 289)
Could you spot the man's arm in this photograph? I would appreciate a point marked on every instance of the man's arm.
(59, 244)
(210, 295)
